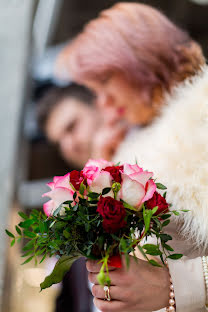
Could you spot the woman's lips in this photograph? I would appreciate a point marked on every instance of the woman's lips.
(121, 111)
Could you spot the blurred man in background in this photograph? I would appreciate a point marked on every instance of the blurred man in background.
(69, 120)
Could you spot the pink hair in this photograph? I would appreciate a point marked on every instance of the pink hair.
(136, 40)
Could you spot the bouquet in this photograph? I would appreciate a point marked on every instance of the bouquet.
(103, 212)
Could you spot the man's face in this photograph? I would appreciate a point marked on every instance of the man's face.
(71, 125)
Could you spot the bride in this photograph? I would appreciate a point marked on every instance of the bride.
(133, 57)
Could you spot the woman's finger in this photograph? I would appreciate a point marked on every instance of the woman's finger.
(115, 292)
(94, 267)
(110, 306)
(93, 279)
(117, 279)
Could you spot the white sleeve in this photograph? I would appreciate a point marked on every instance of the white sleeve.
(189, 285)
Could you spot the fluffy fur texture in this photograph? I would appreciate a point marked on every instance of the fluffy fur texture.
(175, 148)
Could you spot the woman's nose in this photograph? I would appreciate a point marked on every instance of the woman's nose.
(104, 101)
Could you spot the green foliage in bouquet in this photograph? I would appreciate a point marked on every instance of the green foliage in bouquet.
(98, 226)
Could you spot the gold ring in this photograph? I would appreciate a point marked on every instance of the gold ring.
(107, 293)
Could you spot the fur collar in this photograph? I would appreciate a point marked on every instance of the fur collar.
(175, 148)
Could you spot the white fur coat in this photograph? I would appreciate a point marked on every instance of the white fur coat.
(175, 148)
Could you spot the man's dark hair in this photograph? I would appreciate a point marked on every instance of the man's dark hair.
(55, 95)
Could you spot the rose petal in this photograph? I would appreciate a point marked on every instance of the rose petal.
(60, 195)
(48, 207)
(51, 185)
(56, 178)
(130, 169)
(90, 173)
(132, 192)
(150, 189)
(48, 194)
(102, 181)
(63, 181)
(100, 163)
(141, 177)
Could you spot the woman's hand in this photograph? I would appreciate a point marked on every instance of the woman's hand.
(142, 287)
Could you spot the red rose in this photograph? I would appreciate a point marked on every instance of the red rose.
(76, 178)
(115, 261)
(113, 213)
(115, 172)
(159, 201)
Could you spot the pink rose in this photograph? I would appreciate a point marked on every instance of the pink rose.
(61, 191)
(102, 180)
(137, 185)
(93, 167)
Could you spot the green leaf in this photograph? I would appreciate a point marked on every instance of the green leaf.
(101, 241)
(42, 259)
(154, 210)
(127, 260)
(29, 245)
(28, 260)
(106, 190)
(165, 216)
(26, 224)
(13, 242)
(40, 252)
(60, 224)
(52, 224)
(18, 230)
(115, 237)
(176, 213)
(29, 234)
(82, 188)
(168, 247)
(154, 263)
(147, 215)
(75, 195)
(126, 205)
(93, 195)
(164, 195)
(160, 186)
(175, 256)
(22, 215)
(142, 252)
(42, 226)
(75, 207)
(61, 268)
(87, 227)
(27, 253)
(165, 223)
(122, 244)
(165, 237)
(9, 234)
(66, 234)
(57, 211)
(185, 210)
(152, 250)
